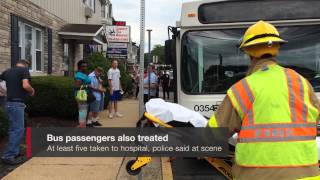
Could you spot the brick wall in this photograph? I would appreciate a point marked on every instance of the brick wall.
(38, 16)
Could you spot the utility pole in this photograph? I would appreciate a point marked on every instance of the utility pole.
(149, 61)
(142, 30)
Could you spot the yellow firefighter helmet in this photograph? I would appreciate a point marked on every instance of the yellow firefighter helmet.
(261, 39)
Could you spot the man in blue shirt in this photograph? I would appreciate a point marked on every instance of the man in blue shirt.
(98, 91)
(152, 89)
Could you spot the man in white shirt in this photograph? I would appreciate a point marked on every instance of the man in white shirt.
(153, 85)
(115, 89)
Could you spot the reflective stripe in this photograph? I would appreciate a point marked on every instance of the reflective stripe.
(298, 107)
(251, 98)
(249, 117)
(304, 106)
(298, 138)
(234, 102)
(277, 134)
(291, 97)
(239, 100)
(248, 91)
(245, 99)
(260, 126)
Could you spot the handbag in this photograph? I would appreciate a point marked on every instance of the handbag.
(82, 95)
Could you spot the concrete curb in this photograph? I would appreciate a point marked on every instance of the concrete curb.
(166, 169)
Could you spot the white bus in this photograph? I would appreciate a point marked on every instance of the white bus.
(204, 50)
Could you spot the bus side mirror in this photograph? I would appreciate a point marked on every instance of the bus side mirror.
(170, 52)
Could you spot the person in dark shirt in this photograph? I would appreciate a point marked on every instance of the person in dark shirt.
(165, 78)
(18, 88)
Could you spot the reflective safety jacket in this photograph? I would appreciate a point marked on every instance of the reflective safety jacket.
(278, 120)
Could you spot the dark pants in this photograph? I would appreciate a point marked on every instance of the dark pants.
(157, 92)
(3, 101)
(137, 91)
(146, 99)
(165, 89)
(15, 112)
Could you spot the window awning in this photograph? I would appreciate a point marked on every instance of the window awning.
(83, 33)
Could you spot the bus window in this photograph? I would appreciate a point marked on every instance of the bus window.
(248, 10)
(211, 63)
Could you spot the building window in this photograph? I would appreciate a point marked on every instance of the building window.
(66, 58)
(20, 40)
(66, 51)
(38, 50)
(107, 11)
(103, 11)
(110, 11)
(30, 45)
(90, 3)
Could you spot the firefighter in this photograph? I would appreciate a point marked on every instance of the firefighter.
(274, 110)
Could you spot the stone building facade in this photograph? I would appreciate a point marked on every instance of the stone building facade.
(30, 29)
(40, 28)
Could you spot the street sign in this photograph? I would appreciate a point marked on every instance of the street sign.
(119, 23)
(117, 50)
(118, 45)
(118, 34)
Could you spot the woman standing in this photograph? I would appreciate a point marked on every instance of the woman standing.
(82, 80)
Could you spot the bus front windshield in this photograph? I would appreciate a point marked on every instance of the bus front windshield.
(211, 62)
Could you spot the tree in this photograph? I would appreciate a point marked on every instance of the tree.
(159, 51)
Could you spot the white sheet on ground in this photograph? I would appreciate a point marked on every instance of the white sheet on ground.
(169, 111)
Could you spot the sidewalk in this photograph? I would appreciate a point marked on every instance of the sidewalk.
(89, 168)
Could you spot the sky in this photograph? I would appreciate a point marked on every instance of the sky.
(159, 15)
